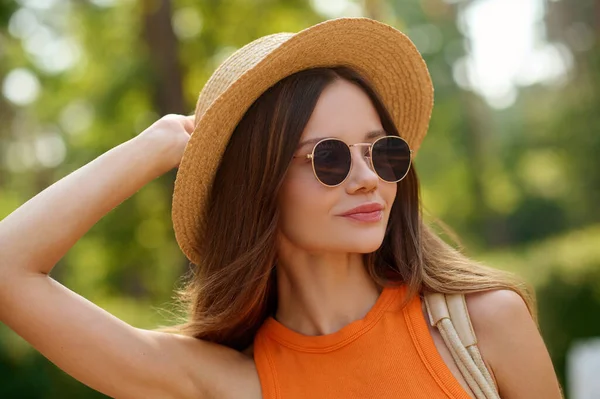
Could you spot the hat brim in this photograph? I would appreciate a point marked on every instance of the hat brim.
(381, 53)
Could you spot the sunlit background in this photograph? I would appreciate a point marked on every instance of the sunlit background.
(510, 162)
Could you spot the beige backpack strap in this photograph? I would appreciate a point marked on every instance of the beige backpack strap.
(449, 314)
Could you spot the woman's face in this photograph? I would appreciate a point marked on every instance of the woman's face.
(310, 212)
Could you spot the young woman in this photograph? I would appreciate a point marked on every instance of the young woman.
(297, 201)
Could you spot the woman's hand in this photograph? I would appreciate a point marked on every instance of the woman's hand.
(173, 132)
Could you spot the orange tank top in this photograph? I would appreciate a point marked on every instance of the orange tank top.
(387, 354)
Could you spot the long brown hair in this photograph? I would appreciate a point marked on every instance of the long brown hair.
(230, 293)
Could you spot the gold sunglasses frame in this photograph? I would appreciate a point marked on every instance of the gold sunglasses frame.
(311, 156)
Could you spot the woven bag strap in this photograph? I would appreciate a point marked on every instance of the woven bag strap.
(449, 314)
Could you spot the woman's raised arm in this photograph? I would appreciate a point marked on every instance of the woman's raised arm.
(85, 341)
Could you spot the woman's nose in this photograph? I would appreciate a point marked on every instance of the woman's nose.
(362, 174)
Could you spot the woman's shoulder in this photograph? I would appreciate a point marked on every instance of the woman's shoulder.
(511, 343)
(496, 306)
(498, 316)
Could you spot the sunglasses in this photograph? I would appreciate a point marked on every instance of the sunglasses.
(389, 157)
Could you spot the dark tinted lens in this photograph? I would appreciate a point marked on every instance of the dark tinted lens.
(332, 161)
(391, 158)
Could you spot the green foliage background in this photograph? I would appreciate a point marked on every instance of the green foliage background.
(520, 186)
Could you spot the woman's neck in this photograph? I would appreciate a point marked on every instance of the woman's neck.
(319, 295)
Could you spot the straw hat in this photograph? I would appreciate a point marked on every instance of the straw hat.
(384, 55)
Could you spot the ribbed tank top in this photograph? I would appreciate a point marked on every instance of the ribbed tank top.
(387, 354)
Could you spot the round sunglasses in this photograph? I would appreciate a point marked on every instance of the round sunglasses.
(389, 157)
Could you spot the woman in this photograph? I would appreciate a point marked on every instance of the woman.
(297, 199)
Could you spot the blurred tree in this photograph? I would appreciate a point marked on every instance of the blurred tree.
(163, 52)
(513, 183)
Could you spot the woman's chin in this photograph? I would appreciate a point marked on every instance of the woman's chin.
(363, 246)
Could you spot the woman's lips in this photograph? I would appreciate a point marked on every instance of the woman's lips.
(366, 216)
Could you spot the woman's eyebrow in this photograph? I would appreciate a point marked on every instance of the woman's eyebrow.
(370, 135)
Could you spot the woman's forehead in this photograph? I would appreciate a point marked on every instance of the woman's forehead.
(342, 111)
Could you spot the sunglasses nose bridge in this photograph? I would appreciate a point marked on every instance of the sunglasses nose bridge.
(364, 151)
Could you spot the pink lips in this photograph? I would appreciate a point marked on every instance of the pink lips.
(366, 217)
(370, 212)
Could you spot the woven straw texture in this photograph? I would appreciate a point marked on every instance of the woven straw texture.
(384, 55)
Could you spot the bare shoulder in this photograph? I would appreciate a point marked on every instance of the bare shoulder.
(511, 344)
(489, 308)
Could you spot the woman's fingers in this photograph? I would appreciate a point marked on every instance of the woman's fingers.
(189, 123)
